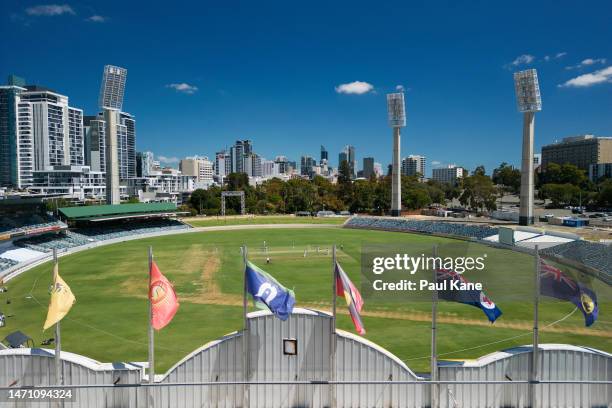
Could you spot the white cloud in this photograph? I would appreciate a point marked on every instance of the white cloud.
(96, 19)
(587, 63)
(356, 88)
(523, 60)
(560, 55)
(586, 80)
(547, 58)
(183, 88)
(436, 163)
(167, 160)
(50, 10)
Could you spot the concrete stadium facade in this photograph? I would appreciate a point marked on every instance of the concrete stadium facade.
(359, 373)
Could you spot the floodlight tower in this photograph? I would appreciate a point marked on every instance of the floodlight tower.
(529, 102)
(397, 119)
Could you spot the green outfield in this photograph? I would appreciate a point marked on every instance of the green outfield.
(108, 322)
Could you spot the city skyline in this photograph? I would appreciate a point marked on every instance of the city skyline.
(314, 96)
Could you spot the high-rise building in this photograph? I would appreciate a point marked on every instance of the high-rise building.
(368, 167)
(324, 153)
(283, 164)
(252, 165)
(126, 140)
(581, 151)
(112, 88)
(241, 150)
(348, 154)
(307, 164)
(449, 174)
(223, 163)
(38, 130)
(413, 165)
(13, 165)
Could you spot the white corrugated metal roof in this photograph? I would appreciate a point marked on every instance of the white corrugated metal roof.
(499, 355)
(73, 358)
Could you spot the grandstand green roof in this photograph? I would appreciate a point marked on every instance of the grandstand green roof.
(90, 212)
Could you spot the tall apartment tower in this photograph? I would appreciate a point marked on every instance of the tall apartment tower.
(324, 153)
(368, 167)
(112, 88)
(348, 154)
(413, 165)
(112, 91)
(11, 151)
(38, 130)
(239, 152)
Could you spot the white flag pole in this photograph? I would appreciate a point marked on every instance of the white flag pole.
(434, 346)
(151, 331)
(536, 334)
(245, 340)
(58, 338)
(333, 331)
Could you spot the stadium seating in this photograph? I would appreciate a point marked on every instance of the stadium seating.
(592, 254)
(84, 236)
(428, 227)
(6, 263)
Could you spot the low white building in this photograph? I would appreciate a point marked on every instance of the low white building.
(169, 183)
(77, 182)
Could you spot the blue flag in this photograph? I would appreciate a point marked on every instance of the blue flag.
(556, 284)
(268, 293)
(474, 297)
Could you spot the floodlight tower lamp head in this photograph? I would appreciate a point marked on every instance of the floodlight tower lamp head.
(396, 110)
(527, 90)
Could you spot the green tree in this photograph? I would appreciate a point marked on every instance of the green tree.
(345, 184)
(237, 181)
(604, 197)
(478, 192)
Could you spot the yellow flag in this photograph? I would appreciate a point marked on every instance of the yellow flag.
(61, 301)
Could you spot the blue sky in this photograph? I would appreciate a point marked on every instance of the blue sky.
(203, 74)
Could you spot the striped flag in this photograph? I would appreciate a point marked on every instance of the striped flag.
(344, 287)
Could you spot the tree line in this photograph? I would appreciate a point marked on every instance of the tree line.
(560, 184)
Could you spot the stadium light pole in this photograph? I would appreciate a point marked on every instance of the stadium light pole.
(397, 119)
(529, 102)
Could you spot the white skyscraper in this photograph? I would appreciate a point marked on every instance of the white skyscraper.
(413, 165)
(49, 132)
(112, 88)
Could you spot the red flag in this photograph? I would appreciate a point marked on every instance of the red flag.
(164, 303)
(345, 288)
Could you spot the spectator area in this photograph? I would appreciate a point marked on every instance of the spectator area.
(592, 254)
(427, 227)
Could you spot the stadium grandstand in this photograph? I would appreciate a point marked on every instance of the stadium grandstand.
(451, 229)
(589, 257)
(80, 226)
